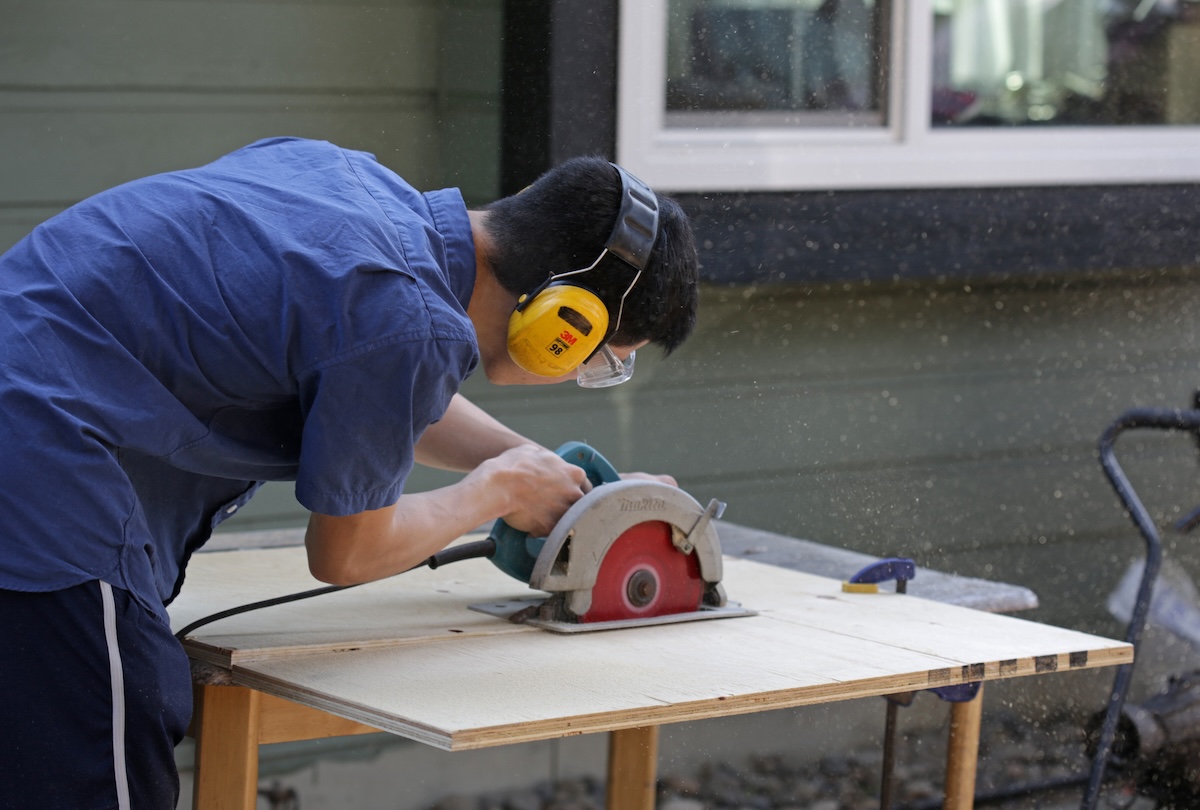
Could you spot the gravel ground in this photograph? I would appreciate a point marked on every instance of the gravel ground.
(1012, 753)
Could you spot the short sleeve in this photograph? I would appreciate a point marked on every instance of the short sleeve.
(363, 416)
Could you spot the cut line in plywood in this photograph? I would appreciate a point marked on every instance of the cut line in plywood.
(494, 683)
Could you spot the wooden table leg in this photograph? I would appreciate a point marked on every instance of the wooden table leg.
(225, 723)
(962, 752)
(632, 768)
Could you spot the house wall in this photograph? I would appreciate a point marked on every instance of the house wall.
(97, 92)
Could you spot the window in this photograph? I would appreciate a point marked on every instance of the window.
(808, 94)
(774, 64)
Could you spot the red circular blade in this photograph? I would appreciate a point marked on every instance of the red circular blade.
(646, 548)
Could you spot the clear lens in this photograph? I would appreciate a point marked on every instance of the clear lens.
(605, 369)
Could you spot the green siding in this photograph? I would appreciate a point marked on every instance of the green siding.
(97, 92)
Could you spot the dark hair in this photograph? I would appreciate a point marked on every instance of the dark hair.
(562, 221)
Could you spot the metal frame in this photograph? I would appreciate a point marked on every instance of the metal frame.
(1158, 419)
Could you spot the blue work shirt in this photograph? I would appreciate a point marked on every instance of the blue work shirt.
(291, 312)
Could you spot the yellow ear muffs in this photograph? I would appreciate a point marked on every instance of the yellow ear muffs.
(558, 328)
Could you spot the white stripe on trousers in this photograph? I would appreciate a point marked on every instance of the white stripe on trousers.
(117, 677)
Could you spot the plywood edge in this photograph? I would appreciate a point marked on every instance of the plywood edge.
(782, 699)
(722, 706)
(353, 713)
(220, 657)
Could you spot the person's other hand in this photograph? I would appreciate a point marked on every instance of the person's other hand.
(638, 476)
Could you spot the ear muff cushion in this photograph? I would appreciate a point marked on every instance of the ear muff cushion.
(557, 330)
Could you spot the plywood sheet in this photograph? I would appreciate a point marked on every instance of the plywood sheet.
(492, 684)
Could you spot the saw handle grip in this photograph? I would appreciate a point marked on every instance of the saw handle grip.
(598, 470)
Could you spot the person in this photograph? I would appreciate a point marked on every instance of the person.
(293, 311)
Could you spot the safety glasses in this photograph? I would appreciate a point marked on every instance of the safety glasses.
(604, 369)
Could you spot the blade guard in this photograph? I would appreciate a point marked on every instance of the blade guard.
(573, 552)
(516, 552)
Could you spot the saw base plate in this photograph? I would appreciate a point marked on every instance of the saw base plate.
(526, 611)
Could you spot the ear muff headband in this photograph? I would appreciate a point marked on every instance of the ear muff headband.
(561, 323)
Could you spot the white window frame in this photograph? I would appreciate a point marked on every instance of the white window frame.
(906, 152)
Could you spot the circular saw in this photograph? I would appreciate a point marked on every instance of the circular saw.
(627, 553)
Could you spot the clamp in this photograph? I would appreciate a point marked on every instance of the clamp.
(866, 580)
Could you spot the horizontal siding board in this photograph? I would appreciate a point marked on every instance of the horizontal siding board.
(65, 154)
(230, 46)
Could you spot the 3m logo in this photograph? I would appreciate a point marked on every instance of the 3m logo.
(568, 338)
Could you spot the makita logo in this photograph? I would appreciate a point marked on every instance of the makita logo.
(641, 504)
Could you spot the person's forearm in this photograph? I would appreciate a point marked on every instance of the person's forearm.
(465, 437)
(377, 544)
(529, 486)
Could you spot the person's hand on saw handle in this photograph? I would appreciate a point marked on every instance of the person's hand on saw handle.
(552, 488)
(539, 485)
(544, 486)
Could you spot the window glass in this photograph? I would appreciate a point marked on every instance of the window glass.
(775, 62)
(1036, 62)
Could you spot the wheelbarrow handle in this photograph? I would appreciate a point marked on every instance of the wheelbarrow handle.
(1160, 419)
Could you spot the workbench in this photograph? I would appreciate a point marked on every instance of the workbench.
(407, 656)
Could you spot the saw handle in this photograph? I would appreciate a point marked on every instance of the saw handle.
(516, 552)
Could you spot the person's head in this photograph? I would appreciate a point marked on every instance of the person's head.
(562, 222)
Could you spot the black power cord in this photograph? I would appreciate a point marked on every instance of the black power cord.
(466, 551)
